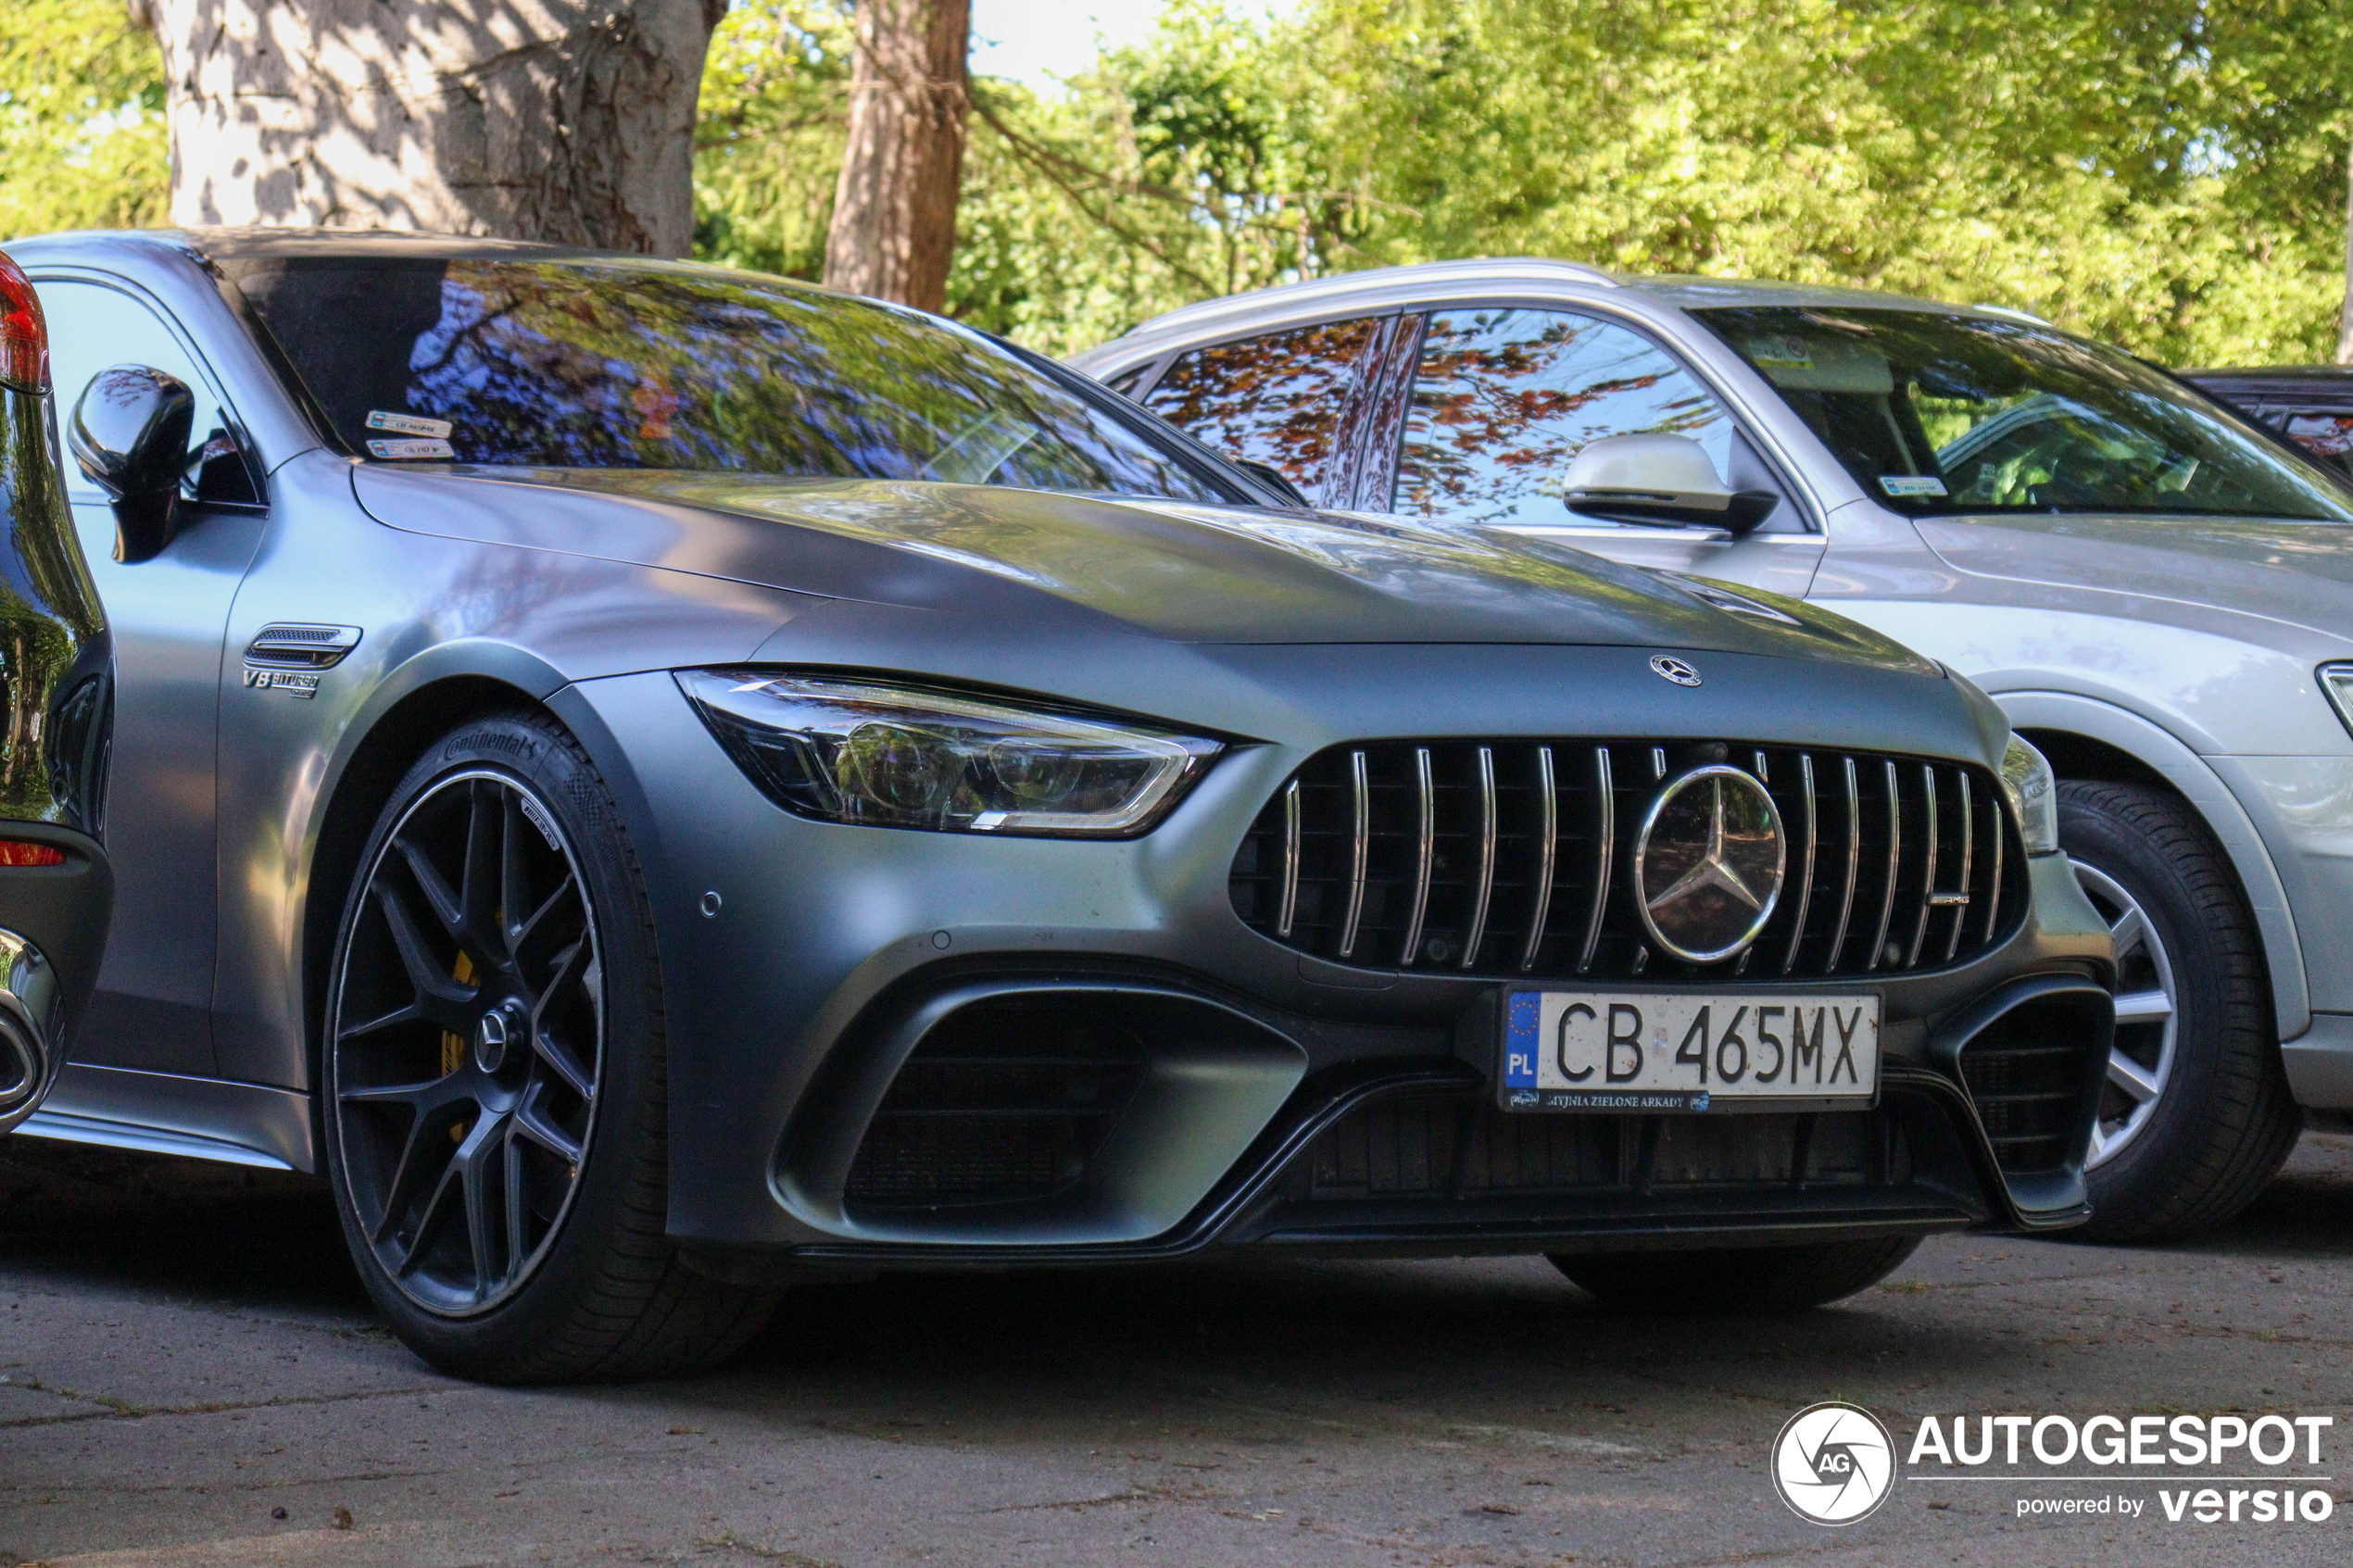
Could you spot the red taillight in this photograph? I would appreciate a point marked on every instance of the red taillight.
(18, 852)
(24, 338)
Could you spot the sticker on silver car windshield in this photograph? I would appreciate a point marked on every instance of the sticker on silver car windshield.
(406, 424)
(412, 449)
(1778, 353)
(1912, 485)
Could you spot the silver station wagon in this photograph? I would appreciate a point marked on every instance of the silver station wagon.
(2157, 591)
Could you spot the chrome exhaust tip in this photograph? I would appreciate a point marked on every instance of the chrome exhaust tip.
(30, 1050)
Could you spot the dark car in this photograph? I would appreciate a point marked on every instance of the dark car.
(2310, 404)
(654, 779)
(56, 704)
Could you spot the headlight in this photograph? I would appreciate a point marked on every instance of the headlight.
(846, 750)
(2337, 681)
(2027, 780)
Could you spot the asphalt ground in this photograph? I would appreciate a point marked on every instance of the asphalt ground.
(190, 1375)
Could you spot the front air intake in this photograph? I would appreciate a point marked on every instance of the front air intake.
(1514, 858)
(1007, 1098)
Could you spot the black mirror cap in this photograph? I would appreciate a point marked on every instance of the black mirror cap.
(130, 435)
(1737, 513)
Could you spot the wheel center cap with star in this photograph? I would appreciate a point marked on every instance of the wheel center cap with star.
(1708, 863)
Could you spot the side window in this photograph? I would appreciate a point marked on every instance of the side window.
(1505, 397)
(1275, 400)
(91, 326)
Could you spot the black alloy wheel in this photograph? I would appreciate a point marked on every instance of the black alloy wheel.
(496, 1077)
(469, 1039)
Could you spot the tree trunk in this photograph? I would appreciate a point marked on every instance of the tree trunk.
(894, 229)
(2345, 318)
(569, 121)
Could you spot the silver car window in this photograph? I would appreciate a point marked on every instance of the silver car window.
(92, 327)
(1275, 398)
(1933, 412)
(1503, 397)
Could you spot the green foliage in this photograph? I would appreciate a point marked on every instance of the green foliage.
(2169, 174)
(81, 123)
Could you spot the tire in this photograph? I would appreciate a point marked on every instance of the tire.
(1735, 1281)
(2192, 1126)
(501, 1171)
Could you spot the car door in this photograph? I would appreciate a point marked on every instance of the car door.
(152, 1010)
(1496, 399)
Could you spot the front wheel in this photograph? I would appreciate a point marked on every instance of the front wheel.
(1736, 1281)
(496, 1077)
(2196, 1115)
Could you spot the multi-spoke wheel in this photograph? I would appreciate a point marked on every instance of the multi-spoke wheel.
(467, 1039)
(495, 1074)
(2195, 1114)
(2141, 1057)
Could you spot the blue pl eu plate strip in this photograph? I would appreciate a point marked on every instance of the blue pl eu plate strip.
(1519, 1040)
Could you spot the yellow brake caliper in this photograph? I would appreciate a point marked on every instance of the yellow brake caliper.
(453, 1049)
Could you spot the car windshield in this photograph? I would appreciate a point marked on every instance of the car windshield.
(1938, 413)
(644, 366)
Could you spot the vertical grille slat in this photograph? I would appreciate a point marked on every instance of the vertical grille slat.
(1894, 866)
(1927, 878)
(1288, 912)
(1853, 867)
(1425, 851)
(1361, 852)
(1805, 873)
(1506, 857)
(1486, 892)
(1969, 852)
(1604, 852)
(1548, 836)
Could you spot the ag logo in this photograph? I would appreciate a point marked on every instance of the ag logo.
(1833, 1464)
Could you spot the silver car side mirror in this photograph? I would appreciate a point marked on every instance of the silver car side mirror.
(1659, 478)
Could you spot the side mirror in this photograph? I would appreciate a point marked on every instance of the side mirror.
(130, 435)
(1659, 478)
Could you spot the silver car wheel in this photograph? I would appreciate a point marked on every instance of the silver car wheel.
(2141, 1061)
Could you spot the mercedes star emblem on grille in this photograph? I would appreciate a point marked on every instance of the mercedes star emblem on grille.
(1675, 670)
(1708, 863)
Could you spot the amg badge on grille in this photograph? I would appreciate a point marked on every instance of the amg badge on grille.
(1708, 863)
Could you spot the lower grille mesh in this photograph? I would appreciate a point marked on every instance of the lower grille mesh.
(1444, 1145)
(2028, 1094)
(1005, 1099)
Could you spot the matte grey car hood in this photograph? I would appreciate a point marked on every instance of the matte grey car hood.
(1165, 570)
(2265, 568)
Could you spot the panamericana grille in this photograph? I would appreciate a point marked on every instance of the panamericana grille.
(1004, 1100)
(1513, 858)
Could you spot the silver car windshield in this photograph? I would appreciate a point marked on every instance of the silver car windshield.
(579, 364)
(1936, 413)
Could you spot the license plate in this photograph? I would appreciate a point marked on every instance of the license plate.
(1682, 1050)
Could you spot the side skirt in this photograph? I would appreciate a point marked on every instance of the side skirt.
(166, 1114)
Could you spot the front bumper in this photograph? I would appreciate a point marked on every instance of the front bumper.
(1279, 1101)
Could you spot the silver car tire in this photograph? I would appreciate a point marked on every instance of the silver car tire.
(2197, 1115)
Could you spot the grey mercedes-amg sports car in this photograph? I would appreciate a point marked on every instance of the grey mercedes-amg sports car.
(652, 778)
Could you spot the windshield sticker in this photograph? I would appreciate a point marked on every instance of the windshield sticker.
(1791, 353)
(412, 450)
(1894, 484)
(406, 424)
